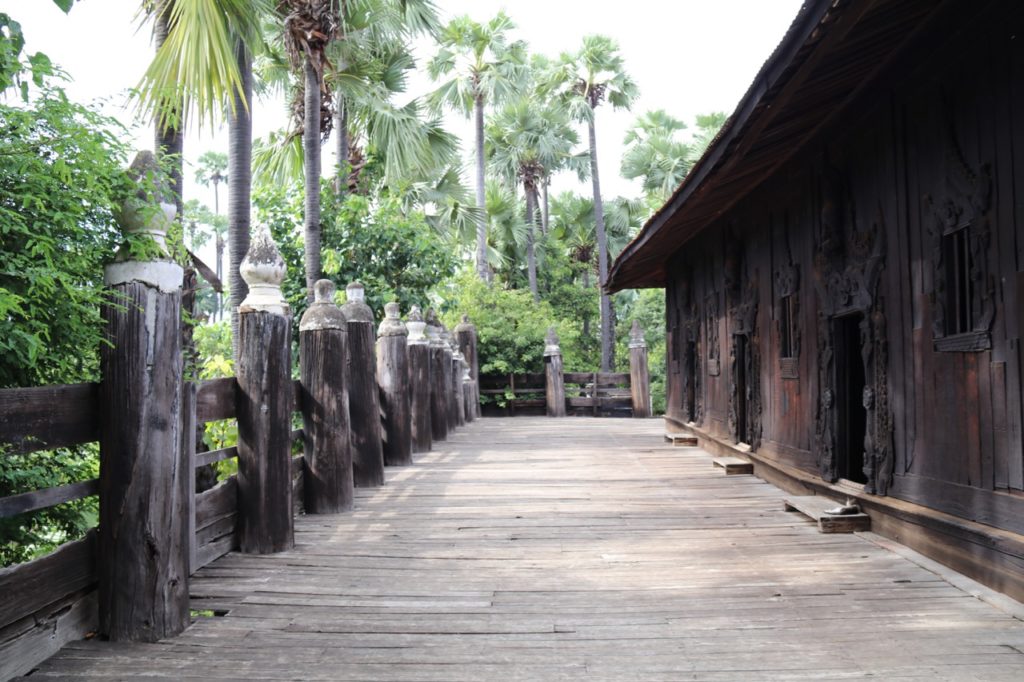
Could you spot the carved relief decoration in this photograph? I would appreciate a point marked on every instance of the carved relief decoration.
(743, 323)
(787, 285)
(965, 204)
(711, 324)
(691, 352)
(848, 265)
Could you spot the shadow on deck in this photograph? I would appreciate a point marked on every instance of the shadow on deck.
(570, 549)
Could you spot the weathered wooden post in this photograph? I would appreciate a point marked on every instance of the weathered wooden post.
(323, 358)
(264, 403)
(449, 379)
(144, 468)
(465, 332)
(458, 362)
(419, 379)
(639, 378)
(363, 394)
(438, 379)
(393, 380)
(554, 385)
(468, 393)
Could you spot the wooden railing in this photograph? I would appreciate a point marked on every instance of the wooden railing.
(128, 579)
(558, 393)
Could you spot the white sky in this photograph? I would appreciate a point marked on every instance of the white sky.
(688, 57)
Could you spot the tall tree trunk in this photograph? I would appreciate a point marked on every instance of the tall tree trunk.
(607, 338)
(219, 307)
(481, 198)
(311, 150)
(531, 256)
(168, 138)
(240, 187)
(342, 144)
(545, 216)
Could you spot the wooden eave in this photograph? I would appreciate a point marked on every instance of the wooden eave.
(830, 55)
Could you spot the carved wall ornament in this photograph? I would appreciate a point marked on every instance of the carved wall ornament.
(964, 208)
(847, 273)
(711, 324)
(743, 318)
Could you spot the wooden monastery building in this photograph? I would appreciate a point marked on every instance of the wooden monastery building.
(844, 274)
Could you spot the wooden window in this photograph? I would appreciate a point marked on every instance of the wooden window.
(957, 253)
(786, 331)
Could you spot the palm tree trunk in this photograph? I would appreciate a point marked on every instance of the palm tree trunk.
(240, 187)
(342, 149)
(311, 151)
(607, 338)
(531, 256)
(168, 138)
(545, 215)
(481, 199)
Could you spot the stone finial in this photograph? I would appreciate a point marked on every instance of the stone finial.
(355, 308)
(447, 341)
(465, 325)
(434, 329)
(636, 336)
(392, 324)
(263, 270)
(416, 326)
(551, 346)
(466, 376)
(145, 212)
(323, 313)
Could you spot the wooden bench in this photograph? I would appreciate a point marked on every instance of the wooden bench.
(733, 466)
(817, 506)
(681, 439)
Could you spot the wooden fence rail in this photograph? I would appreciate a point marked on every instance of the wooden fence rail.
(59, 597)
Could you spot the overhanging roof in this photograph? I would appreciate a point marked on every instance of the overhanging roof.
(831, 53)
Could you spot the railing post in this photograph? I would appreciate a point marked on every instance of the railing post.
(458, 362)
(438, 379)
(323, 359)
(465, 332)
(393, 380)
(419, 378)
(144, 470)
(554, 385)
(468, 393)
(449, 379)
(639, 378)
(264, 403)
(363, 394)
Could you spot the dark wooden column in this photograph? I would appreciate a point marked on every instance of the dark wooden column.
(323, 358)
(144, 469)
(465, 333)
(363, 395)
(264, 403)
(458, 362)
(393, 380)
(639, 378)
(554, 385)
(438, 379)
(419, 380)
(449, 379)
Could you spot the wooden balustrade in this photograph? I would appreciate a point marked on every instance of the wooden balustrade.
(55, 599)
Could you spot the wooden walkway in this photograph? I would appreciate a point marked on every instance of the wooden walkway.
(571, 549)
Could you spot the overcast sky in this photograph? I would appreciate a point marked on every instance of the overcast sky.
(688, 57)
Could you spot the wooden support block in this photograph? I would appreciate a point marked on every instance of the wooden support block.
(816, 506)
(681, 439)
(733, 465)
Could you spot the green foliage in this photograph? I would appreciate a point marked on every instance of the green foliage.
(510, 326)
(395, 254)
(213, 348)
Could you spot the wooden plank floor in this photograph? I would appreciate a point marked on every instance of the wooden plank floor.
(571, 549)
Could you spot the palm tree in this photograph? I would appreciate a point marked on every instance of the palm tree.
(526, 141)
(309, 27)
(583, 80)
(656, 155)
(486, 68)
(202, 68)
(211, 171)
